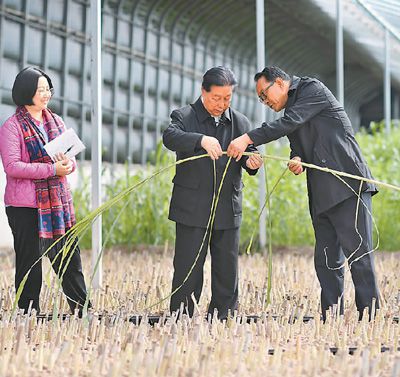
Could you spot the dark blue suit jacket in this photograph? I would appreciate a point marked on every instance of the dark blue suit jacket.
(194, 181)
(320, 133)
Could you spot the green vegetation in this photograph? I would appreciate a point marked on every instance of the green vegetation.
(145, 219)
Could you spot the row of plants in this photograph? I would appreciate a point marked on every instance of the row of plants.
(144, 220)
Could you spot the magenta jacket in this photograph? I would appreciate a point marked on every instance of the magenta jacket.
(20, 172)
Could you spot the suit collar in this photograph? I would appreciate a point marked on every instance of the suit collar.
(294, 83)
(203, 114)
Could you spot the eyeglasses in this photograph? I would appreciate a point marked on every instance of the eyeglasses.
(42, 91)
(262, 97)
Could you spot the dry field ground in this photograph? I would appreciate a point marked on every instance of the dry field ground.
(112, 346)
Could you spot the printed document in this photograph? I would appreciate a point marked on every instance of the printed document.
(68, 143)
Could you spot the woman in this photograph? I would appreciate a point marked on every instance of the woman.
(37, 196)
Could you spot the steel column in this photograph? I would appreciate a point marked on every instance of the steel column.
(1, 43)
(96, 84)
(261, 113)
(339, 53)
(386, 85)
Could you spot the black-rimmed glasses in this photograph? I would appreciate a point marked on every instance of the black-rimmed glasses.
(262, 97)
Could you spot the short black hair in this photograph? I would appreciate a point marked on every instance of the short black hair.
(271, 74)
(25, 85)
(219, 76)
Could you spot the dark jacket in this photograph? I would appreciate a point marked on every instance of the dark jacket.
(320, 133)
(194, 180)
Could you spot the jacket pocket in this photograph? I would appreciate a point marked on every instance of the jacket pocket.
(237, 197)
(323, 158)
(185, 195)
(188, 181)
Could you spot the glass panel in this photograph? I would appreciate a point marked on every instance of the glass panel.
(151, 80)
(187, 90)
(71, 123)
(176, 87)
(75, 57)
(122, 100)
(124, 32)
(151, 44)
(55, 49)
(55, 78)
(35, 46)
(14, 4)
(176, 53)
(137, 75)
(163, 110)
(12, 45)
(5, 112)
(107, 95)
(137, 104)
(123, 72)
(36, 7)
(73, 88)
(76, 16)
(56, 11)
(188, 55)
(164, 47)
(107, 66)
(209, 63)
(150, 109)
(138, 39)
(163, 81)
(108, 27)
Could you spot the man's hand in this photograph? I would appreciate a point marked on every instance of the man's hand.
(212, 146)
(294, 167)
(238, 146)
(254, 161)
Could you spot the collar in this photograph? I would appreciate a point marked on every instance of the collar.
(294, 83)
(202, 112)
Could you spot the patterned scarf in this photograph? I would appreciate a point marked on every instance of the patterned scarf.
(54, 200)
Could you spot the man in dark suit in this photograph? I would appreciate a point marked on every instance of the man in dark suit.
(320, 133)
(208, 126)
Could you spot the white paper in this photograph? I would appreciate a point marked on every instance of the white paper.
(68, 143)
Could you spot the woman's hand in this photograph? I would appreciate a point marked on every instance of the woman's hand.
(64, 167)
(60, 156)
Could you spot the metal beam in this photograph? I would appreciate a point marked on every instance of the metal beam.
(96, 110)
(386, 85)
(131, 93)
(65, 63)
(261, 113)
(339, 53)
(396, 109)
(1, 42)
(380, 19)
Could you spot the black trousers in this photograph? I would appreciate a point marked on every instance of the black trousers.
(24, 225)
(224, 249)
(337, 239)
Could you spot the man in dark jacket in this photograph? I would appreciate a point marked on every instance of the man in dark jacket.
(207, 126)
(320, 133)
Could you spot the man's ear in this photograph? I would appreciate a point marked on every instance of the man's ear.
(280, 82)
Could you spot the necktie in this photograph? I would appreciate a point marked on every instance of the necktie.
(222, 119)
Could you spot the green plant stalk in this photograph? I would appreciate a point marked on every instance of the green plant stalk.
(248, 249)
(209, 228)
(82, 225)
(332, 171)
(96, 266)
